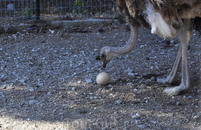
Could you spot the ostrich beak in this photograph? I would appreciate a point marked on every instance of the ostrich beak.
(104, 65)
(103, 60)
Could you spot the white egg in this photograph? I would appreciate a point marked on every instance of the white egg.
(102, 78)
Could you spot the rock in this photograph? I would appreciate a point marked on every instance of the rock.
(3, 87)
(74, 88)
(31, 89)
(10, 87)
(131, 74)
(141, 126)
(129, 70)
(198, 116)
(3, 78)
(2, 95)
(136, 116)
(88, 81)
(33, 101)
(49, 93)
(190, 97)
(119, 101)
(79, 82)
(153, 79)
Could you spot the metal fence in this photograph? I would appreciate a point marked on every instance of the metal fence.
(19, 11)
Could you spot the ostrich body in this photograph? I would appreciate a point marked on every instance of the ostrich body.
(166, 18)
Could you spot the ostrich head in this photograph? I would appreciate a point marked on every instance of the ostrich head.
(105, 55)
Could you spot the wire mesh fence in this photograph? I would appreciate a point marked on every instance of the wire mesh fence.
(19, 11)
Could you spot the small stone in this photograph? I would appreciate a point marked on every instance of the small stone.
(142, 46)
(178, 103)
(190, 97)
(141, 126)
(129, 83)
(10, 87)
(3, 78)
(153, 122)
(88, 81)
(3, 87)
(129, 70)
(49, 93)
(1, 95)
(21, 80)
(79, 82)
(197, 116)
(136, 116)
(119, 101)
(33, 101)
(153, 79)
(131, 74)
(31, 89)
(74, 88)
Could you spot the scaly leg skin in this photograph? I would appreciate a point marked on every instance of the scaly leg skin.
(184, 37)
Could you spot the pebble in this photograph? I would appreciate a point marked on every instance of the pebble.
(119, 101)
(79, 82)
(74, 88)
(196, 117)
(33, 101)
(153, 79)
(133, 74)
(10, 87)
(141, 126)
(136, 116)
(49, 93)
(190, 97)
(3, 78)
(1, 95)
(142, 46)
(88, 81)
(129, 70)
(31, 89)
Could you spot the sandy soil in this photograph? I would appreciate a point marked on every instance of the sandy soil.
(47, 82)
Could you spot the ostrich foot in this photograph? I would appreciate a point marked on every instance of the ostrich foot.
(174, 90)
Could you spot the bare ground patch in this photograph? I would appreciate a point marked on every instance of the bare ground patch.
(47, 81)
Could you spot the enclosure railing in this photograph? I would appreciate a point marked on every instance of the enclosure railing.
(19, 11)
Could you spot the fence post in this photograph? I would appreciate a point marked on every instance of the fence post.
(37, 9)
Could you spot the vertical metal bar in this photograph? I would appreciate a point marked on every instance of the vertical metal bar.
(37, 9)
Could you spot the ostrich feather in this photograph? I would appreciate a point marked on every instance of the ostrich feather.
(170, 10)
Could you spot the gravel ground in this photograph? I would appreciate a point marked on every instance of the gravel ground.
(47, 82)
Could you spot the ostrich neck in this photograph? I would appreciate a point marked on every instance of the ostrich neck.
(119, 51)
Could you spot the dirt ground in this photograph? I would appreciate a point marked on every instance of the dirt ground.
(47, 82)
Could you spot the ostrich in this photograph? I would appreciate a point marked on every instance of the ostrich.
(166, 18)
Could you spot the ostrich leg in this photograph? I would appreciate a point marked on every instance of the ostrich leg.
(184, 36)
(171, 77)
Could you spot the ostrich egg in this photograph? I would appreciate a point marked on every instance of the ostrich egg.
(102, 78)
